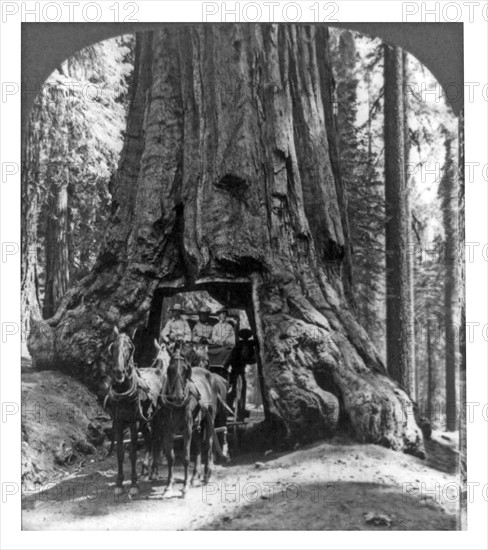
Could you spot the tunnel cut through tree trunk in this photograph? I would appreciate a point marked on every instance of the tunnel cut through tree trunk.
(227, 175)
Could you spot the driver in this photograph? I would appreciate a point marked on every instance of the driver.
(202, 331)
(176, 329)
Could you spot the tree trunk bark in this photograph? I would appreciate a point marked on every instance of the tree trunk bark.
(399, 332)
(462, 335)
(57, 261)
(430, 375)
(413, 389)
(30, 308)
(449, 193)
(226, 183)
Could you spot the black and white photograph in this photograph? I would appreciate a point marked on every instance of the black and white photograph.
(243, 277)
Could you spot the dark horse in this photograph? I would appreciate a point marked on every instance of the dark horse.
(133, 398)
(189, 401)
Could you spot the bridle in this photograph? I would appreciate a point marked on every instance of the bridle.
(131, 394)
(167, 395)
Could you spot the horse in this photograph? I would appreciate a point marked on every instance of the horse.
(197, 355)
(133, 396)
(189, 400)
(162, 357)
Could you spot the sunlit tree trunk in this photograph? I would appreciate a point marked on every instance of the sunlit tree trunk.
(430, 413)
(32, 137)
(462, 333)
(410, 242)
(57, 262)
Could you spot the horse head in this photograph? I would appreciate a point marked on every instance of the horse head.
(162, 358)
(121, 351)
(177, 377)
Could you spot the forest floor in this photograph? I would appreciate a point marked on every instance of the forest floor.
(332, 485)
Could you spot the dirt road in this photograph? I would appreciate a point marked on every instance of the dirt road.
(327, 486)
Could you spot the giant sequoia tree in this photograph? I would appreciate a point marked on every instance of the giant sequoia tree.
(228, 181)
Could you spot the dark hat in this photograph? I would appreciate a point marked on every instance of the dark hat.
(204, 309)
(177, 307)
(245, 333)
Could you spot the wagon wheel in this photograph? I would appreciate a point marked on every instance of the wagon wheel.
(237, 412)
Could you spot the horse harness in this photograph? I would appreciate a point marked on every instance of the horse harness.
(138, 384)
(133, 395)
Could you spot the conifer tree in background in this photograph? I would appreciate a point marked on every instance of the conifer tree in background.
(398, 311)
(57, 176)
(361, 164)
(448, 191)
(83, 105)
(410, 240)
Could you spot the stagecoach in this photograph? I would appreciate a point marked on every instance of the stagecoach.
(220, 360)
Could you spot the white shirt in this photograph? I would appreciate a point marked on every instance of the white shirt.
(223, 334)
(177, 329)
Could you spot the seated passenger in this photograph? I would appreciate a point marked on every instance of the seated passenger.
(176, 329)
(203, 329)
(223, 332)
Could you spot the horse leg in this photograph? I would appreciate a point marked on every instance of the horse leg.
(155, 434)
(119, 427)
(186, 452)
(207, 451)
(112, 440)
(170, 457)
(147, 440)
(134, 489)
(156, 450)
(198, 458)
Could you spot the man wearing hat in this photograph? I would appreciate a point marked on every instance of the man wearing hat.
(176, 328)
(244, 354)
(202, 331)
(223, 332)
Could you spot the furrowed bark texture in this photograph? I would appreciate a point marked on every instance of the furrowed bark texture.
(226, 179)
(30, 212)
(399, 330)
(413, 388)
(450, 207)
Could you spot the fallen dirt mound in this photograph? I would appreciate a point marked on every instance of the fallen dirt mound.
(62, 425)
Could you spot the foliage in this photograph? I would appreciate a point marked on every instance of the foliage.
(357, 65)
(84, 107)
(359, 90)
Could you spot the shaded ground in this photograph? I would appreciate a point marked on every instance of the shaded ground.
(61, 425)
(327, 486)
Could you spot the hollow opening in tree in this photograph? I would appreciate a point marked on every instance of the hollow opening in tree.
(214, 294)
